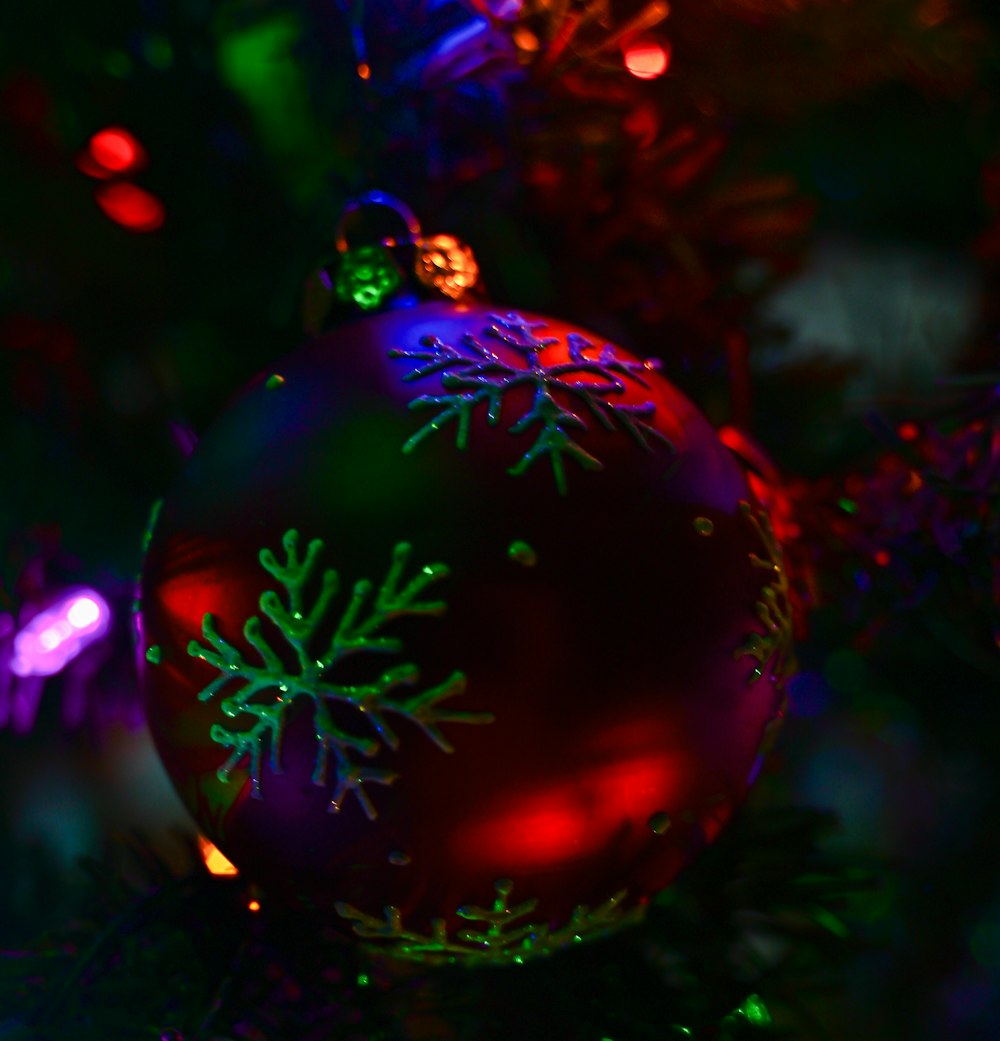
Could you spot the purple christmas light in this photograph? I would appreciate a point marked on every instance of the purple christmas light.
(54, 637)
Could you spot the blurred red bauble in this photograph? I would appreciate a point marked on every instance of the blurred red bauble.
(464, 627)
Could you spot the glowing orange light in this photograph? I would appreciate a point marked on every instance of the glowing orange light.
(908, 431)
(116, 150)
(647, 59)
(254, 905)
(215, 860)
(132, 207)
(364, 70)
(525, 39)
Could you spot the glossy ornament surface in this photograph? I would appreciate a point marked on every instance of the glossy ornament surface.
(462, 626)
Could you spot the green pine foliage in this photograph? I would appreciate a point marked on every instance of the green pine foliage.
(732, 951)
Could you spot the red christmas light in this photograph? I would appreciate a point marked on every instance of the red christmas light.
(132, 207)
(116, 150)
(647, 59)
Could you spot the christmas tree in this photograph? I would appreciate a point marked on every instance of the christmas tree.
(786, 208)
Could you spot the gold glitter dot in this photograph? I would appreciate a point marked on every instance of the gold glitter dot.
(659, 823)
(703, 526)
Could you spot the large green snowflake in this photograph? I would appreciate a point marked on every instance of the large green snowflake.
(266, 691)
(563, 394)
(502, 934)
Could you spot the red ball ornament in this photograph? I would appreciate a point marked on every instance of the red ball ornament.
(463, 626)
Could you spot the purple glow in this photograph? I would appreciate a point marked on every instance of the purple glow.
(55, 636)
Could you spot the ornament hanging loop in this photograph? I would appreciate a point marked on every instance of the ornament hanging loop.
(385, 201)
(386, 270)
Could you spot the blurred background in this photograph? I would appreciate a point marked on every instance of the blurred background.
(792, 203)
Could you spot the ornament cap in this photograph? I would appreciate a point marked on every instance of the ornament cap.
(379, 269)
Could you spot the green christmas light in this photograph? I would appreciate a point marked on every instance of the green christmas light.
(117, 64)
(756, 1011)
(259, 62)
(367, 276)
(522, 553)
(830, 921)
(753, 1011)
(158, 52)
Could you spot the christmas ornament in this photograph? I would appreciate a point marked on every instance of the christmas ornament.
(462, 625)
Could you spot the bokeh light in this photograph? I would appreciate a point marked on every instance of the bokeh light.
(131, 207)
(215, 860)
(647, 59)
(54, 637)
(116, 150)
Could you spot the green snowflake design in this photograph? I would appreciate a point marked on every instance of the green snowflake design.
(267, 691)
(501, 934)
(773, 609)
(472, 375)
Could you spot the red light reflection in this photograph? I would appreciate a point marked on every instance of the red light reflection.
(573, 819)
(188, 598)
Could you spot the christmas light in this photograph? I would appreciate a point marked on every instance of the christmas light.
(647, 59)
(132, 207)
(55, 636)
(215, 860)
(116, 150)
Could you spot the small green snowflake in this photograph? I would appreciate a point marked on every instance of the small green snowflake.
(503, 934)
(472, 375)
(267, 691)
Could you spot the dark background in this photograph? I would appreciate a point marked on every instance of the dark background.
(815, 183)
